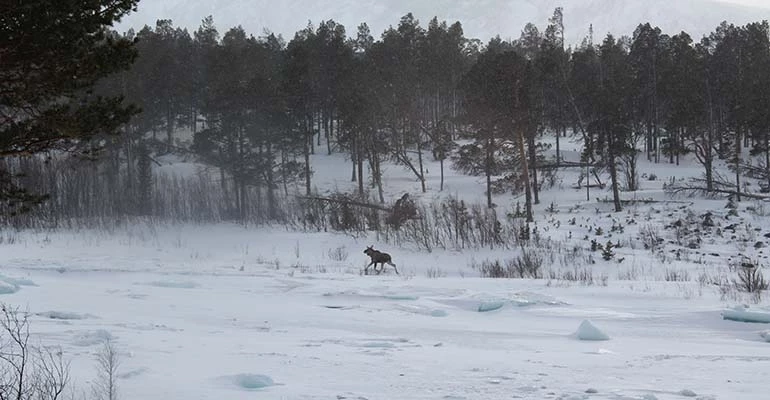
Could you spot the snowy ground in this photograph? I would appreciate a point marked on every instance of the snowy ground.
(218, 312)
(337, 335)
(204, 312)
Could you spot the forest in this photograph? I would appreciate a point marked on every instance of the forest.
(255, 108)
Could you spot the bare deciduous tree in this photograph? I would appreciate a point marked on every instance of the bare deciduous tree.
(28, 372)
(107, 363)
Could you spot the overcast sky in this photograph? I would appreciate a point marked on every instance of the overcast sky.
(756, 3)
(481, 19)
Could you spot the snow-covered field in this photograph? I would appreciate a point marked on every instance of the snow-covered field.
(227, 312)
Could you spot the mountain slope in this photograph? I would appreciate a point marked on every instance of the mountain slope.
(481, 19)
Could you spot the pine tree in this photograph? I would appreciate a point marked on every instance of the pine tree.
(613, 120)
(648, 58)
(497, 106)
(53, 53)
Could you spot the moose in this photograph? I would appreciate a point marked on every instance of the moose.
(378, 257)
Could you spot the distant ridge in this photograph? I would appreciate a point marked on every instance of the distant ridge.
(482, 19)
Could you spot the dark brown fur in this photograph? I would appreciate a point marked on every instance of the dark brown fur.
(378, 257)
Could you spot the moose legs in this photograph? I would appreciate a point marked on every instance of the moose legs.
(382, 267)
(378, 271)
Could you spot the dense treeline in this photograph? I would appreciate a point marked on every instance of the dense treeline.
(256, 108)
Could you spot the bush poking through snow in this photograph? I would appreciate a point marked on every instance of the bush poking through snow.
(492, 269)
(526, 265)
(587, 331)
(650, 236)
(339, 254)
(750, 279)
(676, 275)
(435, 272)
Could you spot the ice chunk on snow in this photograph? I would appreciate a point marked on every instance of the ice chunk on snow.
(587, 331)
(65, 315)
(400, 297)
(687, 393)
(17, 281)
(485, 306)
(174, 284)
(381, 345)
(484, 302)
(422, 310)
(765, 335)
(12, 285)
(8, 288)
(133, 373)
(92, 338)
(742, 314)
(252, 381)
(524, 299)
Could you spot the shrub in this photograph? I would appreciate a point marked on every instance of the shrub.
(338, 254)
(29, 372)
(607, 253)
(650, 237)
(673, 275)
(750, 279)
(493, 269)
(527, 265)
(435, 272)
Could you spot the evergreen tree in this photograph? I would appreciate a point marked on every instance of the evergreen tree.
(496, 106)
(757, 49)
(612, 122)
(165, 54)
(53, 53)
(400, 89)
(683, 88)
(585, 96)
(648, 57)
(553, 61)
(297, 84)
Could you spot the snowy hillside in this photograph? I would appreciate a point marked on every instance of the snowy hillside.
(481, 19)
(226, 311)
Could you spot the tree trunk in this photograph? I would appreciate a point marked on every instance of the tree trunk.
(614, 173)
(378, 180)
(307, 149)
(532, 148)
(284, 160)
(169, 130)
(558, 151)
(327, 131)
(488, 164)
(419, 162)
(525, 171)
(360, 161)
(271, 201)
(441, 167)
(766, 138)
(737, 162)
(353, 157)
